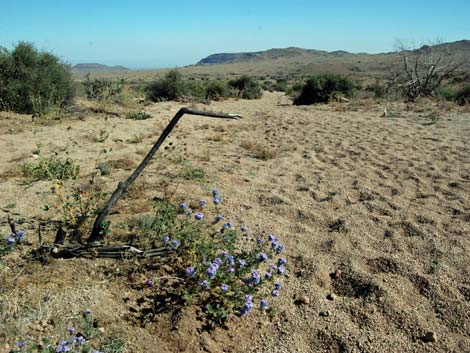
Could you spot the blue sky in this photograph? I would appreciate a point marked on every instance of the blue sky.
(151, 33)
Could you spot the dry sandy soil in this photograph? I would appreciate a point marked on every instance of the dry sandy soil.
(374, 212)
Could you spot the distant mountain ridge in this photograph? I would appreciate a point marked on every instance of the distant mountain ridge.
(294, 52)
(97, 68)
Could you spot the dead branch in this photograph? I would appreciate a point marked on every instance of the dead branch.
(100, 227)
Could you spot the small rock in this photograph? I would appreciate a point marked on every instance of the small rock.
(325, 313)
(101, 329)
(304, 300)
(331, 296)
(429, 337)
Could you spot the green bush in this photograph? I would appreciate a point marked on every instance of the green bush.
(246, 87)
(33, 82)
(216, 90)
(322, 88)
(171, 87)
(463, 96)
(99, 89)
(379, 91)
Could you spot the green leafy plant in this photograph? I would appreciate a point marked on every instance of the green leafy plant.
(33, 82)
(138, 116)
(50, 168)
(215, 265)
(323, 88)
(216, 90)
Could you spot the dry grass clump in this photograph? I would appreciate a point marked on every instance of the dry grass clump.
(258, 151)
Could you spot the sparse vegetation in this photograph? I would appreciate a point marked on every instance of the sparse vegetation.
(216, 90)
(323, 88)
(50, 169)
(33, 82)
(171, 87)
(138, 116)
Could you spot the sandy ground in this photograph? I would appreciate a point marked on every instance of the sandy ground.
(374, 212)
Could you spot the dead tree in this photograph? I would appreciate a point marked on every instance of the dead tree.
(419, 72)
(94, 244)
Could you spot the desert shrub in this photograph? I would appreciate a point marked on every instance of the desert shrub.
(103, 89)
(379, 91)
(220, 271)
(322, 88)
(447, 93)
(216, 90)
(171, 87)
(138, 116)
(463, 96)
(50, 168)
(33, 82)
(246, 87)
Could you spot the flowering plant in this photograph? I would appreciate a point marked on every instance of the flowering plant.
(219, 269)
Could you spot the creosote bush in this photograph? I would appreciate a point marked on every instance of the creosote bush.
(171, 87)
(102, 89)
(323, 88)
(33, 82)
(246, 87)
(223, 269)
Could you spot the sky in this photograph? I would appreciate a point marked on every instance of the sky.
(155, 34)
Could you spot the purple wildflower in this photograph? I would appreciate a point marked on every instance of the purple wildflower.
(86, 312)
(190, 271)
(10, 240)
(247, 306)
(62, 347)
(217, 200)
(231, 270)
(20, 343)
(241, 263)
(149, 282)
(183, 206)
(262, 257)
(81, 339)
(212, 271)
(175, 243)
(72, 330)
(230, 260)
(279, 248)
(218, 218)
(204, 284)
(263, 304)
(272, 238)
(227, 225)
(21, 235)
(224, 287)
(215, 193)
(165, 239)
(268, 275)
(281, 261)
(199, 216)
(202, 203)
(255, 277)
(244, 229)
(217, 261)
(277, 285)
(281, 270)
(275, 293)
(259, 241)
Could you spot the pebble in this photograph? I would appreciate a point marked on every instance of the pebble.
(101, 329)
(325, 313)
(304, 300)
(331, 296)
